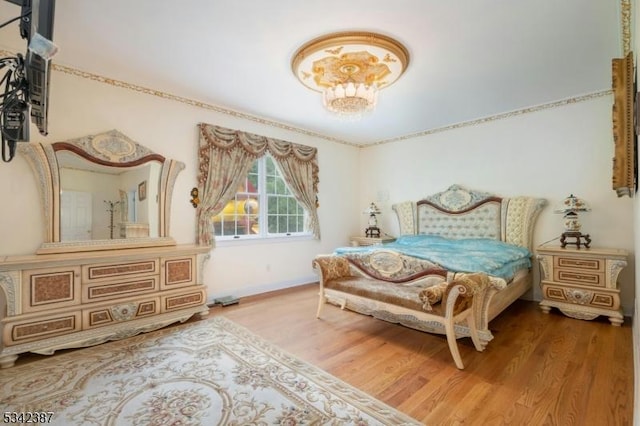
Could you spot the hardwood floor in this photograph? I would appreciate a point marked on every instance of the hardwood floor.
(539, 369)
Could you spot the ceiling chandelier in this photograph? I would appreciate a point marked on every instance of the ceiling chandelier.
(349, 68)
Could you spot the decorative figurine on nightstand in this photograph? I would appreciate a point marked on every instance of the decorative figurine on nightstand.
(571, 206)
(372, 231)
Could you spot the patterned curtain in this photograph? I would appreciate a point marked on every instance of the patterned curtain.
(299, 168)
(226, 155)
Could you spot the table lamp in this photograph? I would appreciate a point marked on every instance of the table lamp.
(373, 230)
(570, 207)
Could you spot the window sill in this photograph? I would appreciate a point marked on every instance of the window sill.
(262, 240)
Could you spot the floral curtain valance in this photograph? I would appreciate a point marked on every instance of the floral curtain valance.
(225, 157)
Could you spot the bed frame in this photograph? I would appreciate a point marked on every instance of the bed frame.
(462, 213)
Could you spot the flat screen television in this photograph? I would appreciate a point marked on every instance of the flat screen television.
(39, 33)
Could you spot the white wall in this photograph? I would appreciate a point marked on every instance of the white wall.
(81, 107)
(549, 154)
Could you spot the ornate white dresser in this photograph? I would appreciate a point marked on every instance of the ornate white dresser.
(57, 301)
(83, 286)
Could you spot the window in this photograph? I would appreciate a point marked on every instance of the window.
(262, 207)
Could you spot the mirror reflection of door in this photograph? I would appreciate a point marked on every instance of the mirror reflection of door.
(75, 215)
(132, 215)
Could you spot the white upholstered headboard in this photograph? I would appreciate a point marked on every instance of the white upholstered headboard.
(462, 213)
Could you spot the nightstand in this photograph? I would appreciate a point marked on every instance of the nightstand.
(369, 241)
(582, 283)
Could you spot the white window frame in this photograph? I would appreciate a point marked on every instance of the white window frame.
(263, 218)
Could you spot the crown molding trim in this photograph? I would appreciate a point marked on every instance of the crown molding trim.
(237, 114)
(625, 26)
(187, 101)
(497, 117)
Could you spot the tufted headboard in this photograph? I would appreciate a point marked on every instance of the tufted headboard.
(462, 213)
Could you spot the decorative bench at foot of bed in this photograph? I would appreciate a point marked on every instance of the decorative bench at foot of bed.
(440, 308)
(381, 312)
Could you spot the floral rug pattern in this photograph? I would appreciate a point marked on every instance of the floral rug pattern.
(211, 372)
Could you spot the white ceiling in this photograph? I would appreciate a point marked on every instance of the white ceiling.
(469, 59)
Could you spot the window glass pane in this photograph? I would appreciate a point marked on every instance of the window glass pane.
(272, 202)
(271, 185)
(273, 224)
(271, 166)
(292, 206)
(282, 224)
(291, 224)
(253, 183)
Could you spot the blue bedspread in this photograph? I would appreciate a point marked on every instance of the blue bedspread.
(493, 257)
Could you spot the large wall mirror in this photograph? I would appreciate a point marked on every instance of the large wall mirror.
(102, 192)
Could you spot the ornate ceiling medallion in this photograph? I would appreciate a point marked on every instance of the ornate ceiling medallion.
(349, 68)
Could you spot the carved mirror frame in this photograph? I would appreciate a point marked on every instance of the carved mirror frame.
(110, 148)
(624, 157)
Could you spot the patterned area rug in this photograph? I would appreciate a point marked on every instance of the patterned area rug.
(211, 372)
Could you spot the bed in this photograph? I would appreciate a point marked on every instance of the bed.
(463, 230)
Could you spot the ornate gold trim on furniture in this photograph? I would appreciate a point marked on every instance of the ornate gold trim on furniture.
(624, 167)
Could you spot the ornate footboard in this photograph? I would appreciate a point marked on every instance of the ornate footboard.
(442, 306)
(377, 288)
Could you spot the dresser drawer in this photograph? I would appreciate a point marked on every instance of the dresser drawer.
(582, 263)
(178, 272)
(573, 276)
(183, 299)
(50, 288)
(582, 296)
(41, 328)
(97, 291)
(120, 270)
(118, 312)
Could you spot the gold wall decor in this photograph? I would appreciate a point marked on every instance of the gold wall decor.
(195, 197)
(624, 157)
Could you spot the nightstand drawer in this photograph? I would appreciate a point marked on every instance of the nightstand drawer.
(579, 277)
(581, 296)
(596, 265)
(370, 241)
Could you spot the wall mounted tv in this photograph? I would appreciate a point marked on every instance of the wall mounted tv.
(39, 36)
(28, 78)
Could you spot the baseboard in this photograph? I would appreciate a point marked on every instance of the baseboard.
(264, 288)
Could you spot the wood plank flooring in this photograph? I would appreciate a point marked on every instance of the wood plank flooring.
(539, 369)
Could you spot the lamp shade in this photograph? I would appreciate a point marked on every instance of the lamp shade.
(372, 210)
(573, 204)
